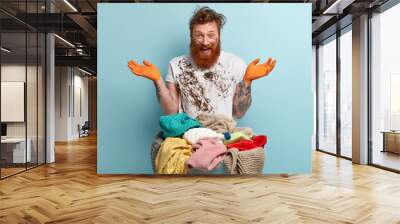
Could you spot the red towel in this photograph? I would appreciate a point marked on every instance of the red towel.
(257, 141)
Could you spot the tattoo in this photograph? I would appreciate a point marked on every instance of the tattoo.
(158, 90)
(241, 100)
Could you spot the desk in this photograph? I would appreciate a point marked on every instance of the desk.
(16, 151)
(391, 141)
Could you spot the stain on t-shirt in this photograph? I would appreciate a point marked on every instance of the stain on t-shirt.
(191, 88)
(210, 90)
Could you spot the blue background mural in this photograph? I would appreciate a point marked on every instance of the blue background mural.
(128, 111)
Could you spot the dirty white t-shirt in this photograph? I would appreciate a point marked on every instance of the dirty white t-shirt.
(210, 91)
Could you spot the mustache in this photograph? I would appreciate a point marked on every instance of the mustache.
(205, 47)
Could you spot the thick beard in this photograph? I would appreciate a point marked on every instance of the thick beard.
(201, 61)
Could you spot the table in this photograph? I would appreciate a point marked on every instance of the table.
(391, 141)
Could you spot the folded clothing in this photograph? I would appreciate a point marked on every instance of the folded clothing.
(237, 136)
(217, 122)
(175, 125)
(256, 141)
(193, 135)
(244, 162)
(245, 130)
(209, 152)
(172, 156)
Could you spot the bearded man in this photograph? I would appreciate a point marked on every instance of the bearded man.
(208, 80)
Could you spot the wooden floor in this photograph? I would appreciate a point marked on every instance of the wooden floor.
(5, 172)
(387, 159)
(70, 191)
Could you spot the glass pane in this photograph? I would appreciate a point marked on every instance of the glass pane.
(31, 101)
(346, 93)
(327, 96)
(13, 88)
(386, 89)
(32, 85)
(41, 98)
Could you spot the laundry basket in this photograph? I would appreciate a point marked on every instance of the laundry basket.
(244, 162)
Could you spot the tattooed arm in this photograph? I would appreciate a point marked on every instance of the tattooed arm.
(241, 99)
(168, 96)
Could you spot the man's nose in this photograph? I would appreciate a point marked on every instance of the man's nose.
(205, 41)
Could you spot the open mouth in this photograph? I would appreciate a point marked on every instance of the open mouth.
(205, 50)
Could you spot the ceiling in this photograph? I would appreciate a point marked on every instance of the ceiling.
(76, 22)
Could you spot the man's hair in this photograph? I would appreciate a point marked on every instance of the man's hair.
(205, 15)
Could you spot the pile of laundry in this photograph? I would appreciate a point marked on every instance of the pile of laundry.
(203, 143)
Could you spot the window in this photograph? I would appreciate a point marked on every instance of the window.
(385, 88)
(327, 96)
(346, 93)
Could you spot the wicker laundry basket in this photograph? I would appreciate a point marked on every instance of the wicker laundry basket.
(244, 162)
(155, 146)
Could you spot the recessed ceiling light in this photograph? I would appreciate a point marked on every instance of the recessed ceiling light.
(337, 7)
(70, 5)
(64, 40)
(84, 71)
(5, 50)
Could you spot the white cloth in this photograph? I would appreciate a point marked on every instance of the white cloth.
(192, 136)
(211, 90)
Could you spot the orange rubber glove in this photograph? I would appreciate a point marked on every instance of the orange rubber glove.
(255, 71)
(147, 70)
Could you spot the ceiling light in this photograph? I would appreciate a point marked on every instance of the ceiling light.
(338, 6)
(70, 5)
(65, 41)
(84, 71)
(5, 50)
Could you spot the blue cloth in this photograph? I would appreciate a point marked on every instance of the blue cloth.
(176, 125)
(227, 135)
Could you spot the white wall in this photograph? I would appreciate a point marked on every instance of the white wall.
(16, 72)
(70, 83)
(79, 112)
(9, 73)
(62, 81)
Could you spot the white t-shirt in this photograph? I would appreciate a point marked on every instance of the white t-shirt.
(209, 91)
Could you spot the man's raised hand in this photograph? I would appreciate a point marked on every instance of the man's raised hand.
(147, 70)
(255, 70)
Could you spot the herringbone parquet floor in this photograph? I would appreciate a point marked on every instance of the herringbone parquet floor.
(70, 191)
